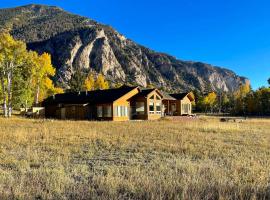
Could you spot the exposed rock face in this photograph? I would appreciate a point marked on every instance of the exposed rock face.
(78, 43)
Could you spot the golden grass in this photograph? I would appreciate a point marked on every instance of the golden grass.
(201, 159)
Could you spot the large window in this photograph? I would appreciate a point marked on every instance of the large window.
(99, 111)
(140, 107)
(185, 108)
(121, 111)
(151, 107)
(107, 111)
(158, 107)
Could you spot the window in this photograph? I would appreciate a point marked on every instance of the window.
(158, 107)
(73, 108)
(107, 111)
(121, 111)
(151, 107)
(118, 111)
(185, 108)
(173, 107)
(152, 97)
(126, 111)
(140, 107)
(99, 111)
(158, 97)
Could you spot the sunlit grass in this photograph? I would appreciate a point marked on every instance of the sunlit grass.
(198, 159)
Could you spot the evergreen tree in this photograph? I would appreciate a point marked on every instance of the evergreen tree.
(76, 82)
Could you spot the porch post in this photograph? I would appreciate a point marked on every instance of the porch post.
(168, 111)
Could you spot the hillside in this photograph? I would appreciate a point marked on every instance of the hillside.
(79, 43)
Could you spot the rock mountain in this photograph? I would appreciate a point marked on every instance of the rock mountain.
(79, 43)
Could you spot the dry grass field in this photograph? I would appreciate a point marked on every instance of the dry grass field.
(198, 159)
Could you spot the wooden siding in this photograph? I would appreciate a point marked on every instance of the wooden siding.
(146, 100)
(187, 102)
(78, 112)
(178, 104)
(124, 101)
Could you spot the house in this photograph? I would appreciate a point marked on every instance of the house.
(147, 104)
(178, 104)
(120, 104)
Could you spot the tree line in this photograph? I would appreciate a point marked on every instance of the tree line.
(82, 81)
(26, 76)
(26, 80)
(244, 101)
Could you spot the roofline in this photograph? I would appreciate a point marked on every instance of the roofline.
(160, 93)
(188, 93)
(137, 87)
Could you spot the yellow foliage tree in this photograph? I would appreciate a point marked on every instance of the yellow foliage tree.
(240, 95)
(89, 83)
(41, 72)
(210, 100)
(101, 83)
(243, 90)
(118, 85)
(12, 57)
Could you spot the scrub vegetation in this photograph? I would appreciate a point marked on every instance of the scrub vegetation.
(167, 159)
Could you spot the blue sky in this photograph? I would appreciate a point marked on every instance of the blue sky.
(234, 34)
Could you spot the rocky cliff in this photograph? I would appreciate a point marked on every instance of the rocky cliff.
(79, 43)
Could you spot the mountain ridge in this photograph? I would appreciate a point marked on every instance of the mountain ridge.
(80, 43)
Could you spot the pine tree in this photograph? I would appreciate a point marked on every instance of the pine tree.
(76, 82)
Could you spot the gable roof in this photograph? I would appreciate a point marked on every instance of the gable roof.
(166, 96)
(92, 97)
(180, 96)
(146, 92)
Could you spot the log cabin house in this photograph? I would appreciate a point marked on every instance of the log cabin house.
(178, 104)
(121, 104)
